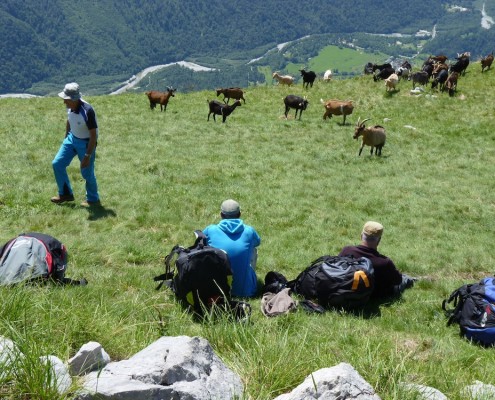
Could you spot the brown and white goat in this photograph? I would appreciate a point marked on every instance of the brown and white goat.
(155, 97)
(337, 107)
(231, 93)
(374, 136)
(217, 108)
(283, 79)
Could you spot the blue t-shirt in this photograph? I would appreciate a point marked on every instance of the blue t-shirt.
(238, 241)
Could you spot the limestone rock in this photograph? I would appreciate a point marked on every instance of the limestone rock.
(170, 368)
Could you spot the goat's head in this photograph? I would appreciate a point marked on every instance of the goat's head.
(171, 91)
(358, 130)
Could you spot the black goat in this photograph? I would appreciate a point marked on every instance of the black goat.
(383, 74)
(420, 77)
(381, 67)
(440, 79)
(296, 102)
(368, 68)
(460, 65)
(308, 77)
(218, 108)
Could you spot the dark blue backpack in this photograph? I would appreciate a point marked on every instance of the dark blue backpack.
(336, 281)
(474, 311)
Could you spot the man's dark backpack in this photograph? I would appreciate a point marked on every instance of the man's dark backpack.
(34, 256)
(335, 281)
(474, 311)
(201, 275)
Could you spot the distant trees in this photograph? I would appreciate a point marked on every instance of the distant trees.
(54, 42)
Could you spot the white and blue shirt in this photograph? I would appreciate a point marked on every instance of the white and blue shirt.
(82, 120)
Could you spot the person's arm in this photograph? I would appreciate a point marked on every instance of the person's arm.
(90, 149)
(67, 128)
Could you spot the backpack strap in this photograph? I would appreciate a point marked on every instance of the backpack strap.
(200, 242)
(168, 267)
(458, 297)
(201, 239)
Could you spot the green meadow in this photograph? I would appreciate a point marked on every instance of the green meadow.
(302, 185)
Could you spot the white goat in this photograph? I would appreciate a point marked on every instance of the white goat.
(374, 136)
(327, 76)
(391, 82)
(283, 79)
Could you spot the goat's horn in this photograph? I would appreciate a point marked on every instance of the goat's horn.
(359, 119)
(367, 119)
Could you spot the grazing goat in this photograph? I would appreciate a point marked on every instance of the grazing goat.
(217, 108)
(403, 72)
(155, 97)
(374, 136)
(428, 68)
(420, 77)
(368, 68)
(337, 107)
(308, 77)
(486, 62)
(391, 82)
(461, 64)
(231, 93)
(451, 83)
(441, 58)
(327, 76)
(283, 79)
(296, 102)
(439, 67)
(383, 74)
(440, 79)
(381, 66)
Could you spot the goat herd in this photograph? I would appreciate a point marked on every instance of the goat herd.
(442, 75)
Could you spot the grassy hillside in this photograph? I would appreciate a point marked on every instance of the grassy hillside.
(307, 192)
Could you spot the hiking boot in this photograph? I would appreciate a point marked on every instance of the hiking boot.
(88, 203)
(62, 198)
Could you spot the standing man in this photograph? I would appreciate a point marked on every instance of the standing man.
(388, 280)
(81, 135)
(240, 242)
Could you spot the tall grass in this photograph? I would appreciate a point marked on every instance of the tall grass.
(304, 188)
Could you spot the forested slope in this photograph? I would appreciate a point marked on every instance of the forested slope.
(108, 41)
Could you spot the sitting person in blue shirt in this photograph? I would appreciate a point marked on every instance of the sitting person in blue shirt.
(240, 242)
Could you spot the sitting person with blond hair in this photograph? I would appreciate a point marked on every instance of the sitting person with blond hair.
(388, 280)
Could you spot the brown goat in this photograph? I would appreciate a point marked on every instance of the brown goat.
(486, 62)
(437, 67)
(451, 83)
(374, 136)
(283, 79)
(155, 97)
(231, 93)
(337, 107)
(441, 58)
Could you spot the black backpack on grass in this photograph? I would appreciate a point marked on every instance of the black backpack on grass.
(335, 281)
(474, 311)
(200, 276)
